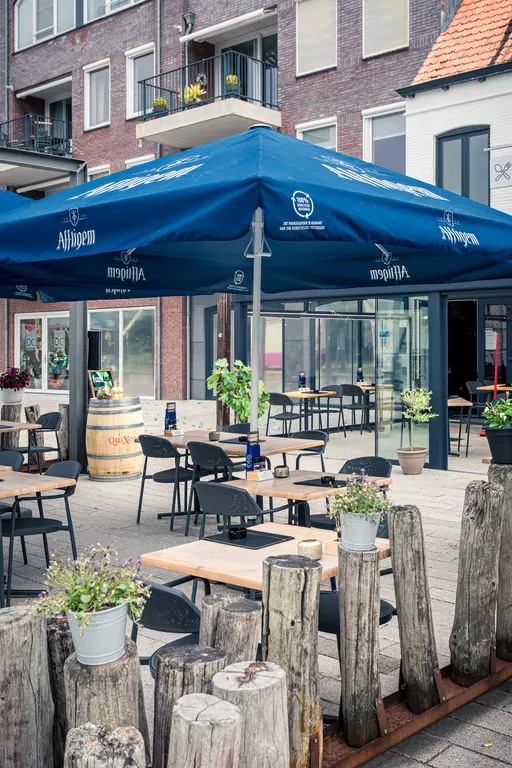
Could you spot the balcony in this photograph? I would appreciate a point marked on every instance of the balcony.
(208, 100)
(37, 133)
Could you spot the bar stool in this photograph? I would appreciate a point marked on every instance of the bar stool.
(159, 448)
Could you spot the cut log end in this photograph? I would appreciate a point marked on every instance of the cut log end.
(90, 746)
(292, 561)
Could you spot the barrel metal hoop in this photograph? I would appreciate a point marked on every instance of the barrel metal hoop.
(113, 427)
(108, 403)
(98, 411)
(114, 478)
(114, 458)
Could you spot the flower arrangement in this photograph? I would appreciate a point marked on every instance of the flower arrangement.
(232, 81)
(234, 388)
(14, 378)
(95, 582)
(498, 414)
(192, 93)
(160, 103)
(417, 408)
(362, 498)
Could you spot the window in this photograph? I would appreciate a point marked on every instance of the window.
(463, 163)
(37, 20)
(98, 172)
(139, 160)
(320, 132)
(140, 64)
(388, 141)
(95, 9)
(316, 35)
(97, 94)
(385, 26)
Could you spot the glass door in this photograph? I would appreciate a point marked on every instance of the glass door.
(57, 353)
(29, 349)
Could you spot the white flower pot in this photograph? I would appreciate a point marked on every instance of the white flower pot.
(12, 396)
(359, 532)
(103, 639)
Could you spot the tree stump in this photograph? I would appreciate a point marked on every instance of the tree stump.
(11, 413)
(501, 474)
(179, 671)
(474, 634)
(238, 630)
(291, 596)
(90, 746)
(60, 646)
(210, 611)
(359, 644)
(259, 690)
(417, 639)
(26, 705)
(32, 413)
(205, 733)
(64, 431)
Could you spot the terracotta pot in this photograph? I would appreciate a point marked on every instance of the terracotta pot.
(411, 462)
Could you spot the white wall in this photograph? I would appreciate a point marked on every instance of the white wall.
(472, 103)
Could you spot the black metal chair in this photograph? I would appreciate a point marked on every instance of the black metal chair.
(207, 459)
(160, 448)
(48, 422)
(242, 428)
(225, 502)
(358, 402)
(329, 614)
(285, 417)
(326, 406)
(478, 405)
(319, 450)
(14, 460)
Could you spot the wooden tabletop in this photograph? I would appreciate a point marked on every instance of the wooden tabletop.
(458, 402)
(16, 426)
(21, 483)
(285, 488)
(490, 388)
(238, 565)
(486, 460)
(4, 468)
(306, 394)
(269, 446)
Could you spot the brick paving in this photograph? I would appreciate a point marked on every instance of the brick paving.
(105, 511)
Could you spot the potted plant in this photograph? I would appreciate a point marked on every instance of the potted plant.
(96, 591)
(357, 513)
(416, 408)
(232, 85)
(233, 388)
(498, 429)
(160, 106)
(13, 383)
(192, 94)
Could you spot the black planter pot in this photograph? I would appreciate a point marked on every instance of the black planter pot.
(500, 443)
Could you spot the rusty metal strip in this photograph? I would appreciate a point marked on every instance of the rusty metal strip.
(381, 716)
(314, 751)
(439, 684)
(493, 659)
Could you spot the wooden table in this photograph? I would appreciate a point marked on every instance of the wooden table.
(487, 460)
(4, 468)
(16, 426)
(490, 388)
(270, 446)
(457, 402)
(238, 565)
(306, 395)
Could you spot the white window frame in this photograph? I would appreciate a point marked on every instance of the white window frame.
(130, 56)
(88, 69)
(132, 162)
(321, 69)
(368, 115)
(108, 11)
(386, 50)
(324, 122)
(97, 169)
(34, 17)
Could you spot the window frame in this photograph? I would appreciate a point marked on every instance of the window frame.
(368, 115)
(382, 52)
(108, 10)
(88, 69)
(131, 55)
(97, 169)
(34, 32)
(463, 133)
(134, 161)
(320, 69)
(324, 122)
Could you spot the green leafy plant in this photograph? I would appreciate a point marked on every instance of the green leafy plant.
(94, 582)
(160, 103)
(192, 93)
(232, 80)
(498, 414)
(234, 388)
(360, 498)
(417, 408)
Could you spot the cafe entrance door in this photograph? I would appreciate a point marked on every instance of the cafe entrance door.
(42, 348)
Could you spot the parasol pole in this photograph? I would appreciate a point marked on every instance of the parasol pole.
(496, 366)
(257, 255)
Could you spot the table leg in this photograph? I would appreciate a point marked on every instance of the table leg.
(306, 414)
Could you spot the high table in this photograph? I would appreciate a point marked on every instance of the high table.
(8, 427)
(240, 566)
(457, 402)
(499, 388)
(306, 395)
(269, 446)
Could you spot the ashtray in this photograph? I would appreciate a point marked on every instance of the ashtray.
(316, 391)
(242, 439)
(327, 480)
(237, 532)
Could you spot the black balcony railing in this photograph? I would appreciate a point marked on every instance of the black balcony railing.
(228, 75)
(37, 134)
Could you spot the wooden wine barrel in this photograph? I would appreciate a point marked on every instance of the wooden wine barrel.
(113, 427)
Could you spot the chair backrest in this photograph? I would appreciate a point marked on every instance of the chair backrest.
(278, 398)
(333, 388)
(69, 469)
(158, 447)
(12, 459)
(226, 500)
(51, 421)
(209, 455)
(472, 388)
(373, 466)
(243, 428)
(312, 434)
(169, 610)
(351, 390)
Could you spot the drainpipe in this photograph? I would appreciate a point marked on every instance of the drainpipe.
(158, 61)
(189, 19)
(6, 334)
(6, 60)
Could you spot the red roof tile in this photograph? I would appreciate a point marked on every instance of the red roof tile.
(479, 36)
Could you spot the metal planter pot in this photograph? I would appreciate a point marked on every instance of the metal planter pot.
(103, 639)
(359, 532)
(500, 444)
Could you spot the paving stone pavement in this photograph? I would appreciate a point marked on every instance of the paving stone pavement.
(105, 511)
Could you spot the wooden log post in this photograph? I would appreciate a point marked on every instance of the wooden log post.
(64, 431)
(60, 646)
(359, 644)
(501, 474)
(90, 746)
(26, 705)
(32, 413)
(473, 637)
(11, 413)
(179, 671)
(259, 690)
(238, 630)
(206, 733)
(291, 597)
(417, 639)
(210, 611)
